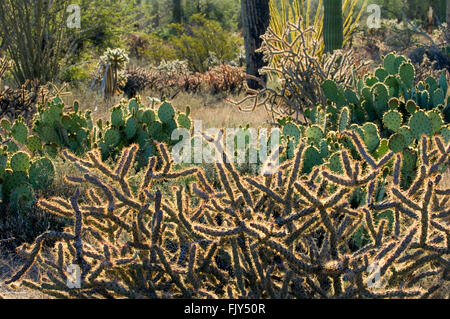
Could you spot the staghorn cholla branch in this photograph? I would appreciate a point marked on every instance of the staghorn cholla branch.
(274, 236)
(299, 72)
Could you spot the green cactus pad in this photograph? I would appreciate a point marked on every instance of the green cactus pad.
(112, 137)
(133, 106)
(382, 149)
(367, 94)
(351, 97)
(406, 132)
(155, 128)
(6, 125)
(393, 103)
(409, 160)
(411, 107)
(48, 134)
(381, 97)
(19, 132)
(420, 124)
(148, 117)
(381, 74)
(344, 119)
(436, 121)
(142, 138)
(438, 98)
(117, 117)
(445, 133)
(335, 163)
(443, 83)
(371, 81)
(12, 147)
(12, 180)
(389, 63)
(41, 173)
(34, 143)
(397, 143)
(424, 99)
(311, 158)
(332, 92)
(20, 162)
(323, 147)
(51, 150)
(131, 128)
(399, 60)
(169, 126)
(184, 121)
(392, 120)
(371, 136)
(81, 136)
(292, 130)
(315, 133)
(22, 198)
(407, 74)
(166, 112)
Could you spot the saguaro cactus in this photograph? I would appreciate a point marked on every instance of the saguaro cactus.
(333, 25)
(255, 20)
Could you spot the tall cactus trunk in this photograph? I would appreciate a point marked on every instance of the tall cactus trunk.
(255, 20)
(440, 10)
(177, 11)
(333, 25)
(443, 10)
(448, 15)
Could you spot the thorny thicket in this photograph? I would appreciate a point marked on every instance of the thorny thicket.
(299, 72)
(277, 235)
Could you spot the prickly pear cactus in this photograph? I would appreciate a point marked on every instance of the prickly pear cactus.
(20, 177)
(58, 129)
(132, 122)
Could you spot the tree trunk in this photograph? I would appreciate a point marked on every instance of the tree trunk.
(177, 11)
(255, 20)
(333, 25)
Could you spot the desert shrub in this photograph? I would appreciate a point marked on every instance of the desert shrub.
(287, 234)
(150, 47)
(201, 40)
(170, 78)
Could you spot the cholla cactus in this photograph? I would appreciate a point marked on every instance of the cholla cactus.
(282, 235)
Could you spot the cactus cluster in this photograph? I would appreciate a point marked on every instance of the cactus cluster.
(21, 174)
(391, 87)
(285, 234)
(55, 129)
(388, 112)
(134, 123)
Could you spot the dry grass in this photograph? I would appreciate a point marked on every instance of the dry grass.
(212, 110)
(9, 263)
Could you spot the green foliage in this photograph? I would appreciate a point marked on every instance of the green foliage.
(134, 123)
(58, 129)
(21, 175)
(203, 43)
(387, 112)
